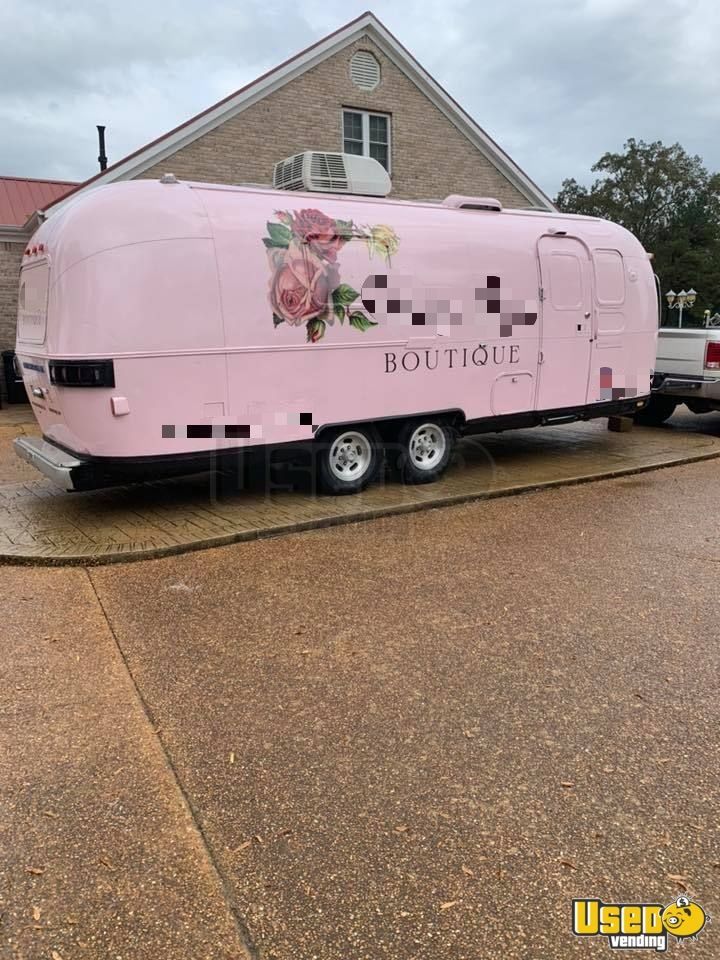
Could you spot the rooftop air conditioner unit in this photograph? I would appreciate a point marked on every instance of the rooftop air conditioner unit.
(332, 173)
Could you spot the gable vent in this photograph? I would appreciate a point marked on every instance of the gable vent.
(364, 70)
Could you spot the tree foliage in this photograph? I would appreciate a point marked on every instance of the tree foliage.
(670, 202)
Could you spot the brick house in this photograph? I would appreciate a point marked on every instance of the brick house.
(357, 90)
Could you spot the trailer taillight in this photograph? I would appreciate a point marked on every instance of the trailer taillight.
(712, 355)
(82, 373)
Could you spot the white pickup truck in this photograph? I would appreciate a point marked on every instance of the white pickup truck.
(687, 370)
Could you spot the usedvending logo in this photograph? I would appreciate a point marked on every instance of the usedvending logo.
(639, 926)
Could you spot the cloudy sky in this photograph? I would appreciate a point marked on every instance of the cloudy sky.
(556, 82)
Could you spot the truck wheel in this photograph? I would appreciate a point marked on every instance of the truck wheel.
(348, 459)
(425, 448)
(657, 411)
(699, 406)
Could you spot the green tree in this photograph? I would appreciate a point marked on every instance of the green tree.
(671, 203)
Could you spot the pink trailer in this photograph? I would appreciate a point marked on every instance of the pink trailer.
(166, 326)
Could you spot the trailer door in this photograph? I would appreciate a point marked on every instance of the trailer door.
(609, 378)
(566, 330)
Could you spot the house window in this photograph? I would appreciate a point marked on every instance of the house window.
(367, 135)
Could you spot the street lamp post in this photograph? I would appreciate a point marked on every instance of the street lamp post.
(678, 301)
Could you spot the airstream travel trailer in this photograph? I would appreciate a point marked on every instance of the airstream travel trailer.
(165, 325)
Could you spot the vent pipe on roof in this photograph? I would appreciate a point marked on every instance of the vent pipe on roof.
(102, 159)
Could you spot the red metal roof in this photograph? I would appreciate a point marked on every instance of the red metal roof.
(20, 197)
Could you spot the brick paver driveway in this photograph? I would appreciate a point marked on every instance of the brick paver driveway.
(42, 524)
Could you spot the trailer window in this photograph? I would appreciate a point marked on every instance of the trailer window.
(566, 284)
(609, 277)
(32, 302)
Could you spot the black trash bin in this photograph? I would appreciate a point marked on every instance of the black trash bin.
(13, 381)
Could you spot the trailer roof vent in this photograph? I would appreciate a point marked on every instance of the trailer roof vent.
(472, 203)
(332, 173)
(364, 70)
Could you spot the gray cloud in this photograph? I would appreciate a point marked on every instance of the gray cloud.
(555, 83)
(559, 83)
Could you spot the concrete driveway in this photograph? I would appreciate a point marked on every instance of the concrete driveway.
(414, 738)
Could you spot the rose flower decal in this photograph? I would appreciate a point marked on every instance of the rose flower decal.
(305, 287)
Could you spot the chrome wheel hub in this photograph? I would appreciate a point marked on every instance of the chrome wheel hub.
(427, 446)
(350, 456)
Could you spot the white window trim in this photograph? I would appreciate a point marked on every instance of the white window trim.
(366, 114)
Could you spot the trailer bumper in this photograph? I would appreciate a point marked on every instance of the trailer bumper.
(56, 464)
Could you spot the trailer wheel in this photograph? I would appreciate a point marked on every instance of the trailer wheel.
(425, 448)
(658, 410)
(348, 458)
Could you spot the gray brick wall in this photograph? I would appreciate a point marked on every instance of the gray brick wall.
(10, 257)
(430, 157)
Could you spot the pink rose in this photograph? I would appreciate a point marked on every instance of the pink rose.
(319, 232)
(301, 285)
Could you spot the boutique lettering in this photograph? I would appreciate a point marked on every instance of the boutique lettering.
(452, 358)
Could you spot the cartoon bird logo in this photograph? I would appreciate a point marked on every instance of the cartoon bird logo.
(684, 919)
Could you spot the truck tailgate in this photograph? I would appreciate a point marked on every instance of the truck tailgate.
(681, 352)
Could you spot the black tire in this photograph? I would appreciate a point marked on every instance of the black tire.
(423, 452)
(699, 406)
(658, 410)
(348, 458)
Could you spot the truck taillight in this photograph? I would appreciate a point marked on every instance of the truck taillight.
(82, 373)
(712, 355)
